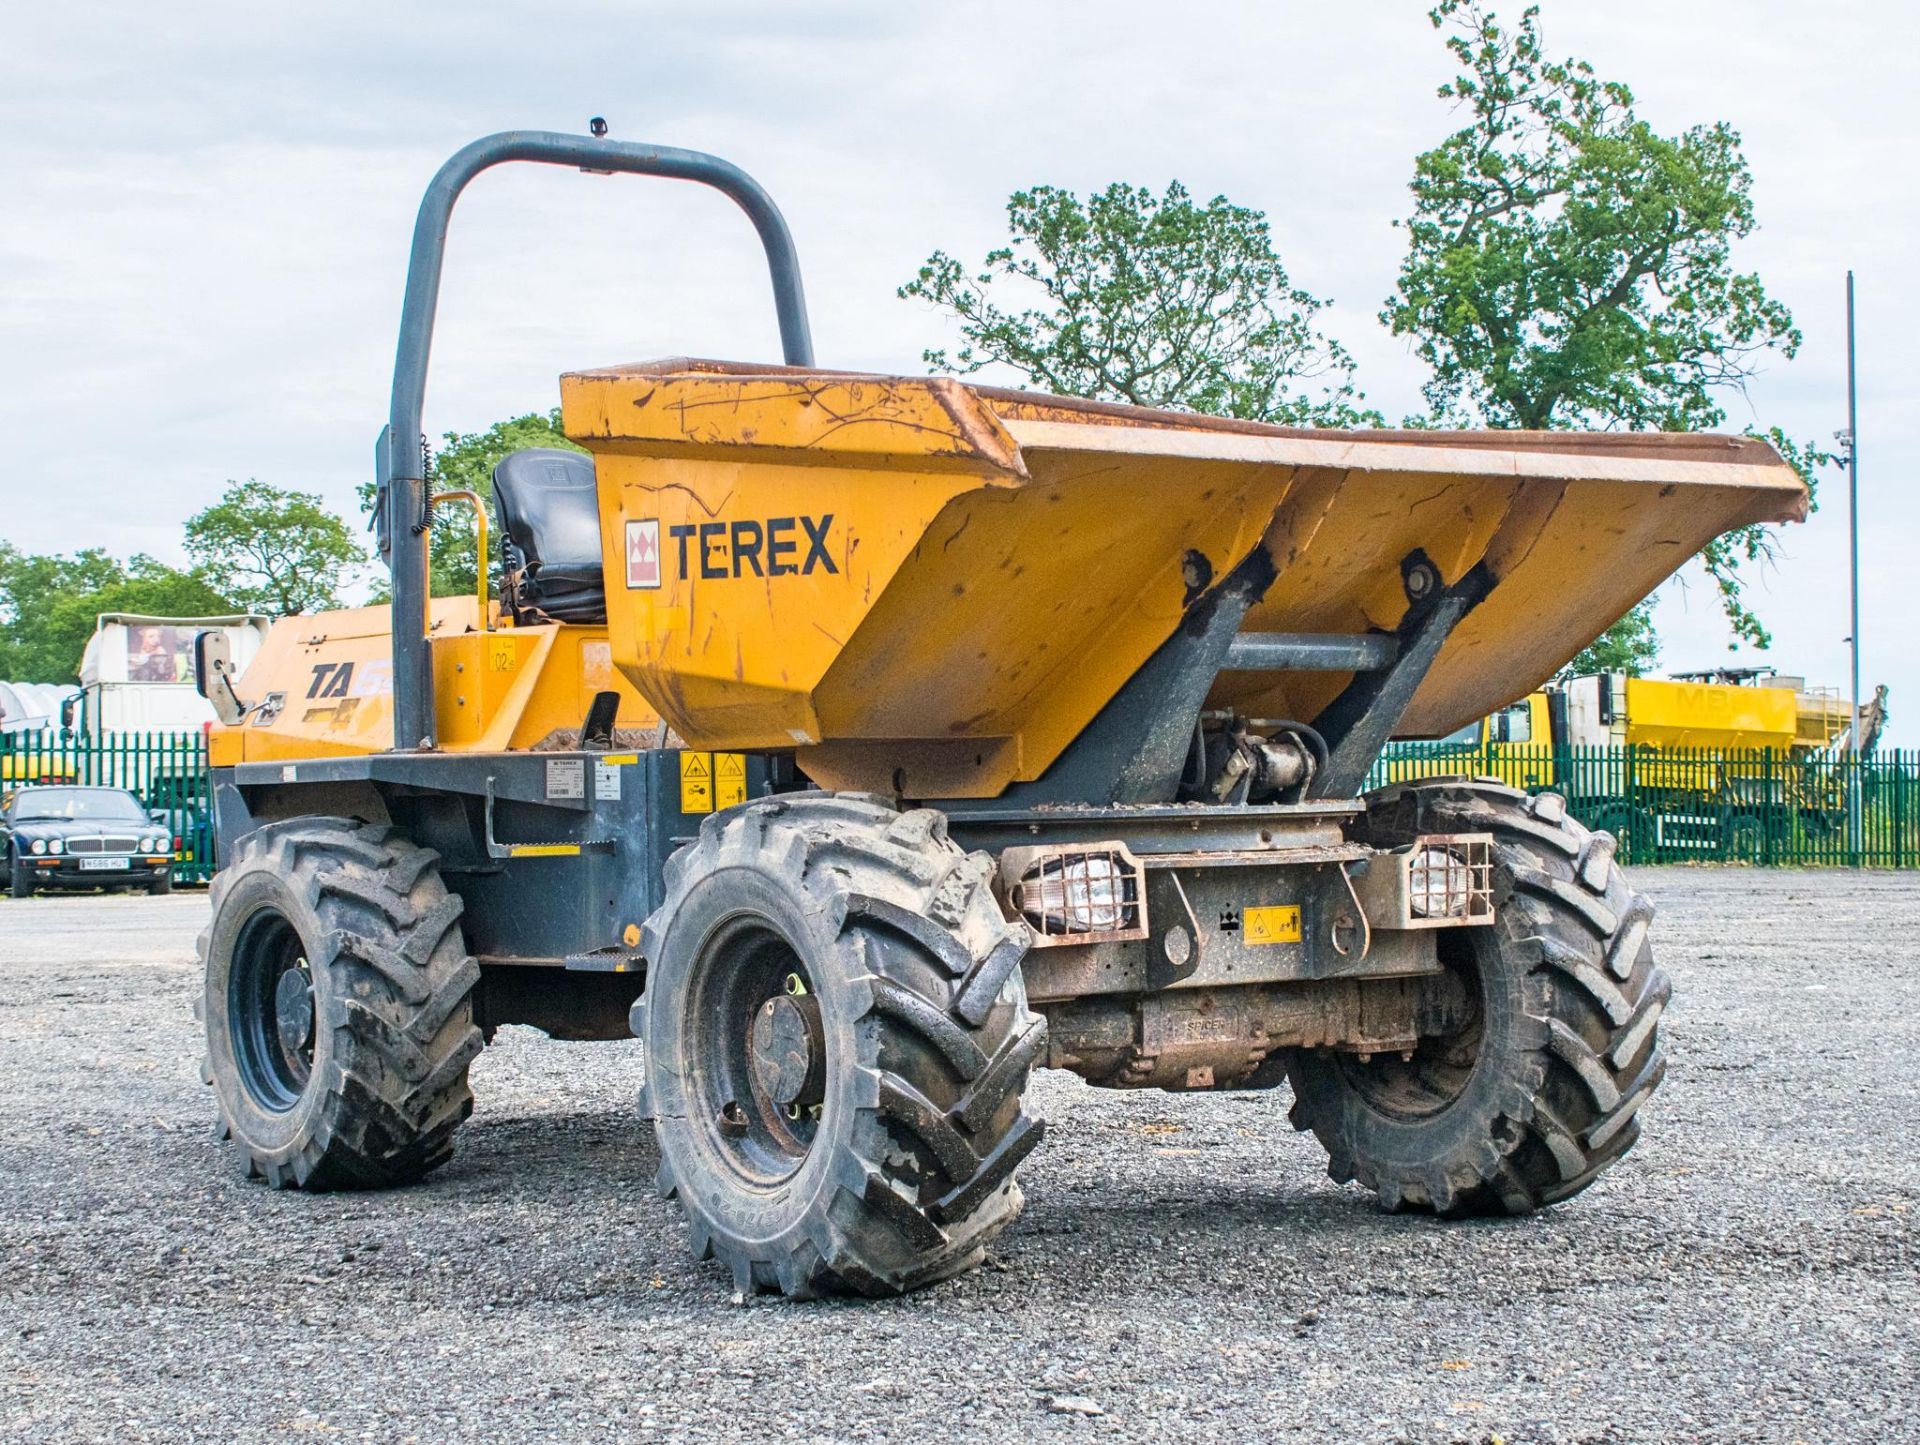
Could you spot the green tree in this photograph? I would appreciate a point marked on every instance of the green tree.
(273, 550)
(1570, 266)
(48, 605)
(1631, 646)
(1155, 300)
(465, 462)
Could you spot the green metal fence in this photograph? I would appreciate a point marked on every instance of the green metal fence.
(1664, 806)
(1677, 806)
(167, 772)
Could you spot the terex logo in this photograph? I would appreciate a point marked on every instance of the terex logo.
(778, 547)
(643, 553)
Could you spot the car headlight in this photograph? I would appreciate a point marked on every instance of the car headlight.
(39, 845)
(154, 845)
(56, 845)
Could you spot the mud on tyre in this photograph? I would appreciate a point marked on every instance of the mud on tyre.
(1540, 1091)
(337, 1006)
(837, 1039)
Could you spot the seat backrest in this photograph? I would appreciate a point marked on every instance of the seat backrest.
(550, 510)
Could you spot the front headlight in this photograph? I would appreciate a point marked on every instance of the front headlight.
(1439, 883)
(56, 845)
(1068, 894)
(39, 845)
(1085, 893)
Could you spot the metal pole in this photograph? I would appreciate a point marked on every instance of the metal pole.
(1853, 575)
(401, 464)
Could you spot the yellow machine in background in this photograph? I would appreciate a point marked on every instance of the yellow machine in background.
(1717, 757)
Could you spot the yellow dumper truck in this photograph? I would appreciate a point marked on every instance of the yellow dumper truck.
(860, 743)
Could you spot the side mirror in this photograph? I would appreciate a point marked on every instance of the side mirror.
(213, 675)
(67, 710)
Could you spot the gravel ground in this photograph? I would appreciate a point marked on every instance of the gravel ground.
(1184, 1267)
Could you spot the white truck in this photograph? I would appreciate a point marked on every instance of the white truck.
(137, 673)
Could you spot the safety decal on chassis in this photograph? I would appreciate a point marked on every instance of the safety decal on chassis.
(710, 781)
(729, 779)
(1280, 924)
(696, 782)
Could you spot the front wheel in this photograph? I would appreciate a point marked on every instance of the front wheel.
(1538, 1090)
(19, 880)
(338, 1006)
(836, 1043)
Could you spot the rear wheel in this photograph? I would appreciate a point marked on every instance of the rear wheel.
(1540, 1087)
(337, 1005)
(837, 1039)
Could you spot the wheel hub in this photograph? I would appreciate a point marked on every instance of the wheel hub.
(788, 1053)
(271, 1010)
(293, 1009)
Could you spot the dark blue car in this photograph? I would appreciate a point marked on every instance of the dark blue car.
(71, 837)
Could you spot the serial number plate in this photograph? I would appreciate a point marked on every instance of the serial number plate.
(103, 865)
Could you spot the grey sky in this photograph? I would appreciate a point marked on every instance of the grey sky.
(208, 204)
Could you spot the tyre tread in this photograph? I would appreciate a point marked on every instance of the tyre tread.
(396, 1085)
(1586, 1032)
(927, 1180)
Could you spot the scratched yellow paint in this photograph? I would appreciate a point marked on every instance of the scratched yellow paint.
(511, 688)
(997, 565)
(930, 588)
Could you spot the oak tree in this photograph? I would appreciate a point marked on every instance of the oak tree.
(273, 550)
(1154, 300)
(1568, 265)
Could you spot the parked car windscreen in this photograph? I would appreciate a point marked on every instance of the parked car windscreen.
(106, 805)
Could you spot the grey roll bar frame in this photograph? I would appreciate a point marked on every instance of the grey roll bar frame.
(400, 454)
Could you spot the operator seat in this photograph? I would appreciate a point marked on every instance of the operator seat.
(550, 510)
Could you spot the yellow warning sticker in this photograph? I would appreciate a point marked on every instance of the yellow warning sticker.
(1279, 924)
(729, 779)
(696, 782)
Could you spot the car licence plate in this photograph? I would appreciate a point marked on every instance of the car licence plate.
(103, 865)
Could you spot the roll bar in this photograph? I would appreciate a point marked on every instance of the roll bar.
(399, 464)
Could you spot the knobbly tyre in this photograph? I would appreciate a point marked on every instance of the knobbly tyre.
(862, 743)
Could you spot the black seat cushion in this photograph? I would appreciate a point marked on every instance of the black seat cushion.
(550, 509)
